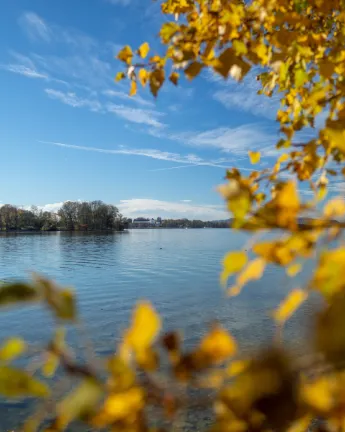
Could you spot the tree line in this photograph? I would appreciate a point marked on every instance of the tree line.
(72, 216)
(186, 223)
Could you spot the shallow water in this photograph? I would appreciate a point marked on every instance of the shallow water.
(178, 270)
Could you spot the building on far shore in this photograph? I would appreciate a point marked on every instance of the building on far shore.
(145, 223)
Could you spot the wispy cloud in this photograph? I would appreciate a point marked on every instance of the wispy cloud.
(147, 117)
(24, 70)
(135, 115)
(82, 61)
(237, 140)
(189, 159)
(39, 29)
(243, 95)
(73, 100)
(119, 2)
(170, 209)
(35, 26)
(124, 96)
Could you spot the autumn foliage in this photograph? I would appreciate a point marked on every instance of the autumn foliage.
(297, 50)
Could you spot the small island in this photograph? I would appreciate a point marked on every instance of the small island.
(72, 216)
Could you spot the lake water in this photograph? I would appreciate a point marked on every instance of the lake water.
(178, 270)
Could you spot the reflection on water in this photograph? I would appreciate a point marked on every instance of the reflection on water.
(178, 270)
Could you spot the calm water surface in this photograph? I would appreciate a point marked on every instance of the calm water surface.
(178, 270)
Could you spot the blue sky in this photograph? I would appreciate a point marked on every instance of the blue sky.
(68, 132)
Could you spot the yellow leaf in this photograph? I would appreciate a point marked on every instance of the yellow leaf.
(319, 394)
(288, 196)
(252, 271)
(174, 78)
(50, 365)
(193, 70)
(334, 208)
(133, 89)
(233, 262)
(292, 302)
(168, 30)
(144, 50)
(337, 138)
(145, 327)
(302, 424)
(119, 406)
(293, 269)
(301, 77)
(11, 349)
(79, 402)
(120, 76)
(330, 273)
(283, 158)
(143, 76)
(236, 367)
(234, 291)
(254, 157)
(126, 55)
(321, 192)
(240, 47)
(217, 345)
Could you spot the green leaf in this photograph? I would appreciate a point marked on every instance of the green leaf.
(301, 77)
(61, 301)
(18, 383)
(17, 293)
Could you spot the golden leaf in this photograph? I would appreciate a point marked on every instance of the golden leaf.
(79, 402)
(168, 30)
(157, 78)
(254, 157)
(145, 327)
(133, 89)
(193, 70)
(217, 345)
(240, 47)
(236, 367)
(329, 275)
(225, 61)
(50, 365)
(119, 406)
(174, 78)
(289, 305)
(319, 394)
(143, 76)
(334, 208)
(233, 262)
(120, 76)
(252, 271)
(144, 50)
(293, 269)
(126, 55)
(11, 349)
(234, 291)
(337, 138)
(288, 196)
